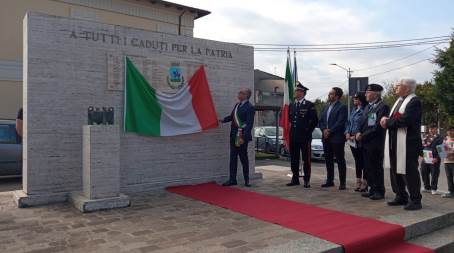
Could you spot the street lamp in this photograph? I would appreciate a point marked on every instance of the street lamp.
(349, 75)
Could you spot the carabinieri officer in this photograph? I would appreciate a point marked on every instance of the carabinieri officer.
(303, 119)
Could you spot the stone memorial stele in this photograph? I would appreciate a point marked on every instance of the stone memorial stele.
(71, 64)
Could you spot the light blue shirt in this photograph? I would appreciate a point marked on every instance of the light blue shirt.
(329, 112)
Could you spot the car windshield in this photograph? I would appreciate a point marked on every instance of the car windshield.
(272, 131)
(317, 134)
(7, 133)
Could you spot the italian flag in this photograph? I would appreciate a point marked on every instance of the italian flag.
(148, 111)
(288, 96)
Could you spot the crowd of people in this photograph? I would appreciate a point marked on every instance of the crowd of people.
(379, 137)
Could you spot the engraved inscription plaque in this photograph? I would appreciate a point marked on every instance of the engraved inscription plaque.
(115, 72)
(115, 69)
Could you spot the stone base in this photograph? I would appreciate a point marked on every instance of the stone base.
(86, 205)
(23, 199)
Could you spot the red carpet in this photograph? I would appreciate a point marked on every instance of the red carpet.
(356, 234)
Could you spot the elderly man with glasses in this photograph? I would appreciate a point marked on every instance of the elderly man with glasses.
(403, 145)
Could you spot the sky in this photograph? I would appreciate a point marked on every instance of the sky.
(335, 21)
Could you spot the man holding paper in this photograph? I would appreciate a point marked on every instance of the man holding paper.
(430, 165)
(403, 145)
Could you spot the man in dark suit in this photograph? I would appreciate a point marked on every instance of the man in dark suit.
(332, 123)
(303, 120)
(242, 118)
(372, 138)
(404, 124)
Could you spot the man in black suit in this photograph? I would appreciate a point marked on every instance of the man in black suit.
(372, 139)
(303, 120)
(242, 118)
(332, 122)
(405, 145)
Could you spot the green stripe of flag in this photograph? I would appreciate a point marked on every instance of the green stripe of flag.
(142, 110)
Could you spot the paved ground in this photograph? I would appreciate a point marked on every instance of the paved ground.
(164, 222)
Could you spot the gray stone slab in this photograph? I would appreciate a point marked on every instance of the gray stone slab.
(85, 205)
(422, 222)
(101, 161)
(442, 241)
(26, 200)
(309, 245)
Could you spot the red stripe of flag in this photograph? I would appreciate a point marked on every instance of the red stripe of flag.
(202, 101)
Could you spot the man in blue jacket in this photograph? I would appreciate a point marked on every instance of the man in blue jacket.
(242, 118)
(332, 123)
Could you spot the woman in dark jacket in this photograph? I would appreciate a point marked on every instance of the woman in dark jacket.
(353, 127)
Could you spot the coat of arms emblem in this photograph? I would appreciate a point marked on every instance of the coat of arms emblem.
(175, 79)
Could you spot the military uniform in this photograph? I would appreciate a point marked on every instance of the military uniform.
(373, 142)
(303, 119)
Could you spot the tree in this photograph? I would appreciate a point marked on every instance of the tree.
(444, 81)
(388, 96)
(319, 104)
(430, 106)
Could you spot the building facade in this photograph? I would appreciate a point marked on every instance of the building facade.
(157, 16)
(269, 91)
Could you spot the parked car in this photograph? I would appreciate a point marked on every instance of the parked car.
(265, 138)
(10, 149)
(316, 146)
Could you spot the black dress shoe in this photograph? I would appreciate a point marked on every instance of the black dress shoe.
(367, 194)
(376, 196)
(229, 183)
(306, 185)
(327, 185)
(247, 184)
(397, 202)
(293, 183)
(342, 187)
(412, 206)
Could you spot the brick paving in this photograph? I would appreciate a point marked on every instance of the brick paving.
(165, 222)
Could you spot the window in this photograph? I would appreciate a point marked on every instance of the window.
(272, 131)
(8, 134)
(317, 133)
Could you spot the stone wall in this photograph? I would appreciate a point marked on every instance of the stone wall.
(66, 70)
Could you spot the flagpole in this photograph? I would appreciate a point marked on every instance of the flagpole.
(124, 102)
(301, 64)
(295, 69)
